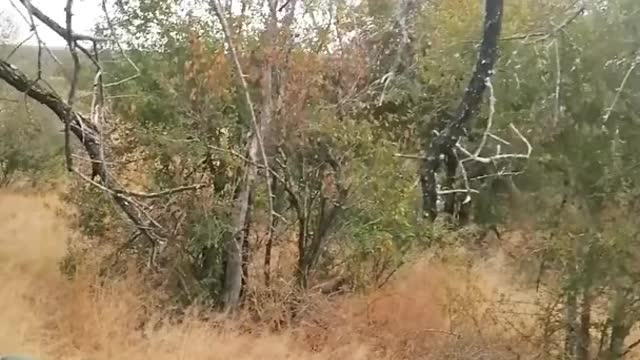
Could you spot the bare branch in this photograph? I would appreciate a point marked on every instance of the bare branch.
(631, 347)
(492, 159)
(492, 111)
(623, 84)
(89, 136)
(544, 35)
(74, 81)
(245, 89)
(410, 156)
(59, 29)
(32, 23)
(454, 191)
(19, 45)
(122, 52)
(556, 113)
(161, 193)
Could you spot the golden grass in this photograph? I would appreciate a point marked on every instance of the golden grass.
(46, 316)
(428, 311)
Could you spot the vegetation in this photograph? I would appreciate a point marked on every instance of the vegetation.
(253, 156)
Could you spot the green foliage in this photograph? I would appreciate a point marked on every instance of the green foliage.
(381, 221)
(207, 235)
(96, 217)
(337, 127)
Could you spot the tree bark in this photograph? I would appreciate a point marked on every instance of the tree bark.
(619, 324)
(584, 334)
(234, 247)
(444, 143)
(571, 324)
(233, 282)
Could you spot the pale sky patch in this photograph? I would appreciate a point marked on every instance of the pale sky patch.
(86, 14)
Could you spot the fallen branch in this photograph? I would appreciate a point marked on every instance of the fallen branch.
(89, 137)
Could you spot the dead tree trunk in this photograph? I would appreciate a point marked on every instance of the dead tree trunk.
(441, 147)
(234, 248)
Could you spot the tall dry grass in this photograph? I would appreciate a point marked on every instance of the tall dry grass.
(428, 311)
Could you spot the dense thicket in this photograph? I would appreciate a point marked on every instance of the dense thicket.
(294, 133)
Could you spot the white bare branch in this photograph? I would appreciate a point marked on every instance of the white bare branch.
(623, 84)
(475, 156)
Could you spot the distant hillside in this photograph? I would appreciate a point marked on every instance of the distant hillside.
(26, 59)
(32, 129)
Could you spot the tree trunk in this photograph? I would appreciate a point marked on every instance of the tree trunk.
(234, 247)
(619, 325)
(445, 142)
(278, 207)
(584, 335)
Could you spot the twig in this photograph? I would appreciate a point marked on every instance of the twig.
(57, 27)
(401, 19)
(495, 137)
(631, 347)
(623, 84)
(465, 178)
(122, 52)
(492, 111)
(19, 45)
(283, 5)
(501, 173)
(410, 156)
(439, 331)
(160, 193)
(74, 82)
(457, 191)
(30, 10)
(556, 113)
(487, 160)
(544, 35)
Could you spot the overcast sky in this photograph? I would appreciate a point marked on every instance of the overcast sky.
(85, 12)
